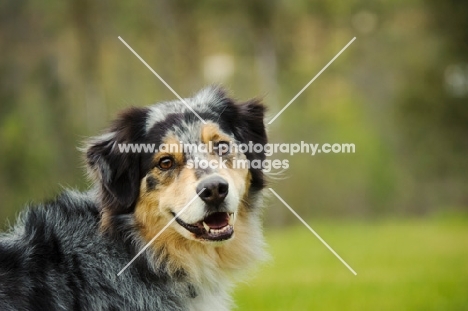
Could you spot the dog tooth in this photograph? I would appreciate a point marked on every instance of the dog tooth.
(207, 228)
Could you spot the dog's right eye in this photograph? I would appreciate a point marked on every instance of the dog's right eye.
(222, 148)
(166, 163)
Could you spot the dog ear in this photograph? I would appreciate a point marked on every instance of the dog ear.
(118, 172)
(252, 114)
(251, 127)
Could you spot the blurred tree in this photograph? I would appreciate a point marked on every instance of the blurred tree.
(434, 109)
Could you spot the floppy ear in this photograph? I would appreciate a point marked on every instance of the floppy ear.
(251, 127)
(252, 114)
(117, 172)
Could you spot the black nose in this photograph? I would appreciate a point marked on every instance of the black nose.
(216, 190)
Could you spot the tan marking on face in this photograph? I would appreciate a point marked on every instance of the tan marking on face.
(209, 260)
(212, 132)
(173, 148)
(152, 213)
(173, 192)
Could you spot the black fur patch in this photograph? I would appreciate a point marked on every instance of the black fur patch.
(119, 172)
(151, 183)
(245, 121)
(192, 291)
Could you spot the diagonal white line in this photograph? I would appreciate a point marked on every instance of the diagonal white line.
(310, 82)
(312, 230)
(162, 80)
(160, 232)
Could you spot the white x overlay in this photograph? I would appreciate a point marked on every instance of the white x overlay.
(310, 82)
(162, 80)
(270, 122)
(313, 231)
(160, 232)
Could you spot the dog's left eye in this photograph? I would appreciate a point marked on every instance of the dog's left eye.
(166, 163)
(221, 148)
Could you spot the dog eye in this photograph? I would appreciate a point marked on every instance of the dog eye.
(222, 148)
(166, 163)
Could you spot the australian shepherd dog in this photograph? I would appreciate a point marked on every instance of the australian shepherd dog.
(203, 222)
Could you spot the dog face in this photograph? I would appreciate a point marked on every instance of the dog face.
(153, 186)
(217, 185)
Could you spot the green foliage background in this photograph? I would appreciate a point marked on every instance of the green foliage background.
(399, 93)
(415, 264)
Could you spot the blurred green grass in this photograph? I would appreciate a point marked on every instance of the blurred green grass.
(419, 264)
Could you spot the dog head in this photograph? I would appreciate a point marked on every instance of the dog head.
(151, 166)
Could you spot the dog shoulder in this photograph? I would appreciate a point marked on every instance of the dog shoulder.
(37, 249)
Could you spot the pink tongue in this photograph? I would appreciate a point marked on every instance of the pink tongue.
(217, 220)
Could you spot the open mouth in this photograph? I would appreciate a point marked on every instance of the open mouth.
(215, 227)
